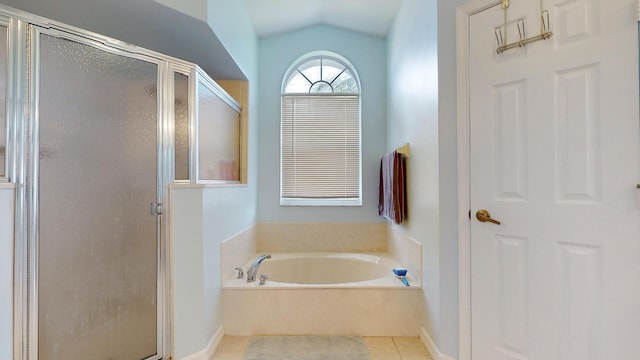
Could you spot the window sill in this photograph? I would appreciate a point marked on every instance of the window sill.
(320, 202)
(221, 183)
(187, 185)
(6, 185)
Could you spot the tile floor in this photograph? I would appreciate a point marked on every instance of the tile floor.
(380, 348)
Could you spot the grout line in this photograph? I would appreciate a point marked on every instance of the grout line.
(397, 348)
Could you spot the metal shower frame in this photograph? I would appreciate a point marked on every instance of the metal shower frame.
(22, 88)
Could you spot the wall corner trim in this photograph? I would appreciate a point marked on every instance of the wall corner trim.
(431, 346)
(207, 352)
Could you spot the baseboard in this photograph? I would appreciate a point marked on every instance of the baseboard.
(431, 346)
(207, 353)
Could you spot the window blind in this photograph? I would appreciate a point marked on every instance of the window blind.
(320, 138)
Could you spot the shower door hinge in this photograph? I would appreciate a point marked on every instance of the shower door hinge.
(156, 209)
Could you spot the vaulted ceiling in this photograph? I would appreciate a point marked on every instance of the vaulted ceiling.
(373, 17)
(151, 25)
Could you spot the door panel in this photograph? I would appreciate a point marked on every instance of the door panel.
(578, 134)
(511, 168)
(554, 156)
(97, 269)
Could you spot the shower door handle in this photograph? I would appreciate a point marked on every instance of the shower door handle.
(156, 209)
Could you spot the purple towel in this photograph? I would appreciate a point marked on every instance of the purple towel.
(392, 198)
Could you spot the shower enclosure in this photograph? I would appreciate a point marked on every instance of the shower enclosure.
(97, 174)
(96, 130)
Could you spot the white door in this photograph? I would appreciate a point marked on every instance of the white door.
(554, 156)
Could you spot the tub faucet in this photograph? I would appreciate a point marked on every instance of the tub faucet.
(253, 270)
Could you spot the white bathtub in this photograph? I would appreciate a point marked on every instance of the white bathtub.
(324, 270)
(323, 293)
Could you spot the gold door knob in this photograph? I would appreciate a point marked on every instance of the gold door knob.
(484, 216)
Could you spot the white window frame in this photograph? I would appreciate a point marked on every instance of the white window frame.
(322, 201)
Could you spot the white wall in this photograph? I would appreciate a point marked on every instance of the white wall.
(413, 117)
(421, 110)
(276, 54)
(202, 217)
(231, 23)
(189, 335)
(448, 162)
(6, 270)
(226, 211)
(193, 8)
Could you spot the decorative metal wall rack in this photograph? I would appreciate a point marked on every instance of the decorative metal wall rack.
(501, 31)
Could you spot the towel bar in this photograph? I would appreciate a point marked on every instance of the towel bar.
(404, 150)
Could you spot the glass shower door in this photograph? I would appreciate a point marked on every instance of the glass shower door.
(97, 239)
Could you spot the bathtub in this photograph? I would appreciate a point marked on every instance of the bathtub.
(324, 270)
(323, 293)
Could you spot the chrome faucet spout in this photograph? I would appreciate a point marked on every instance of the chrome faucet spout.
(251, 273)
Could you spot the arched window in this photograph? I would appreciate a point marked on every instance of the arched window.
(320, 133)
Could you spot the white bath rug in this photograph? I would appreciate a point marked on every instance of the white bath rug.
(306, 348)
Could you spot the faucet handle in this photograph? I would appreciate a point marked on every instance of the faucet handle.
(263, 279)
(240, 272)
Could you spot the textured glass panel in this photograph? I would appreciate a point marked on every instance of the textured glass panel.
(97, 240)
(331, 69)
(345, 84)
(321, 88)
(297, 84)
(182, 126)
(321, 75)
(219, 138)
(3, 104)
(311, 69)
